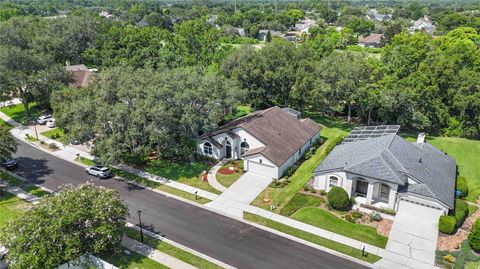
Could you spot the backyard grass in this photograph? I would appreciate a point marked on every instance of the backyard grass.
(323, 219)
(299, 201)
(228, 180)
(132, 261)
(466, 152)
(334, 131)
(10, 207)
(350, 251)
(182, 172)
(17, 112)
(56, 134)
(180, 254)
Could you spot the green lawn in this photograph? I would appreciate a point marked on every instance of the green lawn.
(35, 190)
(182, 172)
(299, 201)
(472, 209)
(17, 112)
(10, 179)
(5, 124)
(132, 261)
(350, 251)
(466, 152)
(180, 254)
(334, 131)
(10, 206)
(85, 161)
(323, 219)
(56, 134)
(472, 265)
(228, 180)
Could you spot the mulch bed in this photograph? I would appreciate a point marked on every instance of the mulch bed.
(225, 171)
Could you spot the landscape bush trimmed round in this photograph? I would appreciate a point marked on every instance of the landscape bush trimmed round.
(338, 198)
(462, 186)
(460, 211)
(447, 224)
(474, 236)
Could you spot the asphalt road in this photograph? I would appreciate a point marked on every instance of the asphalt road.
(230, 241)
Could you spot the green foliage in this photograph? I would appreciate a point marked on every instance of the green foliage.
(87, 219)
(447, 224)
(474, 236)
(338, 198)
(460, 212)
(8, 144)
(360, 25)
(375, 216)
(462, 186)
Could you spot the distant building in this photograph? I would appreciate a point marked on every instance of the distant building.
(304, 25)
(80, 74)
(262, 34)
(371, 41)
(423, 25)
(105, 14)
(373, 15)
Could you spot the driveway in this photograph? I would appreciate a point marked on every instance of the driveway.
(413, 238)
(240, 194)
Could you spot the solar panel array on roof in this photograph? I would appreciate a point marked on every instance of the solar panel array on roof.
(366, 132)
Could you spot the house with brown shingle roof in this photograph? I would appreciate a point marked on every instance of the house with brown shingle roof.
(269, 141)
(80, 74)
(371, 41)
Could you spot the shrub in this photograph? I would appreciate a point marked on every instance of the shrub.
(42, 142)
(462, 186)
(290, 171)
(312, 190)
(375, 216)
(52, 146)
(449, 258)
(460, 212)
(349, 218)
(338, 198)
(308, 155)
(447, 224)
(474, 236)
(322, 192)
(306, 187)
(356, 215)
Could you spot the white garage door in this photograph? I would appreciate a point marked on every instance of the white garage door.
(262, 169)
(422, 210)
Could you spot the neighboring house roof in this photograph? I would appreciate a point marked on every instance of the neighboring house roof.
(372, 38)
(281, 133)
(80, 74)
(392, 159)
(304, 24)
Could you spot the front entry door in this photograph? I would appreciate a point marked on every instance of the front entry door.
(228, 150)
(362, 188)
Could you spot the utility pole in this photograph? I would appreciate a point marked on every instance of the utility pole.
(140, 224)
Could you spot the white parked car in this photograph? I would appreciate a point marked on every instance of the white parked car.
(98, 171)
(51, 123)
(44, 118)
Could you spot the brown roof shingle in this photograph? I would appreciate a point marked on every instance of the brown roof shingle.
(282, 134)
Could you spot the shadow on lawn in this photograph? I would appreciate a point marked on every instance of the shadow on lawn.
(176, 170)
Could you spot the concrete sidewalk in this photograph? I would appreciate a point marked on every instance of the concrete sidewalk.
(154, 254)
(212, 178)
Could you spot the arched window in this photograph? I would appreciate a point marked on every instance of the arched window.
(333, 181)
(207, 148)
(384, 191)
(244, 147)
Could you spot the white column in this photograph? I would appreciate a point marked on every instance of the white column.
(392, 197)
(370, 193)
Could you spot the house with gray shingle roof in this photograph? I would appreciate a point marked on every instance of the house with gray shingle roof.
(383, 170)
(269, 141)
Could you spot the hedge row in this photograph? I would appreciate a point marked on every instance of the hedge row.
(449, 224)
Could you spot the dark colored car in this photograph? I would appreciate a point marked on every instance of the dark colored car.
(10, 164)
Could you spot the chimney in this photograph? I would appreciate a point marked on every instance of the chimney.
(421, 138)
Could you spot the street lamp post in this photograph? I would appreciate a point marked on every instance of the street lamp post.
(140, 224)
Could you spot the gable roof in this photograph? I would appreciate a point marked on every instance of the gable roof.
(392, 159)
(372, 38)
(80, 74)
(281, 133)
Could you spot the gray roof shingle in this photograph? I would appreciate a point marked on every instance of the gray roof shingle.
(392, 159)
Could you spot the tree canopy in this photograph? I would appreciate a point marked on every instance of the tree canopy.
(61, 228)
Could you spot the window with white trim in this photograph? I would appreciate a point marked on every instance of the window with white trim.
(207, 148)
(333, 181)
(244, 147)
